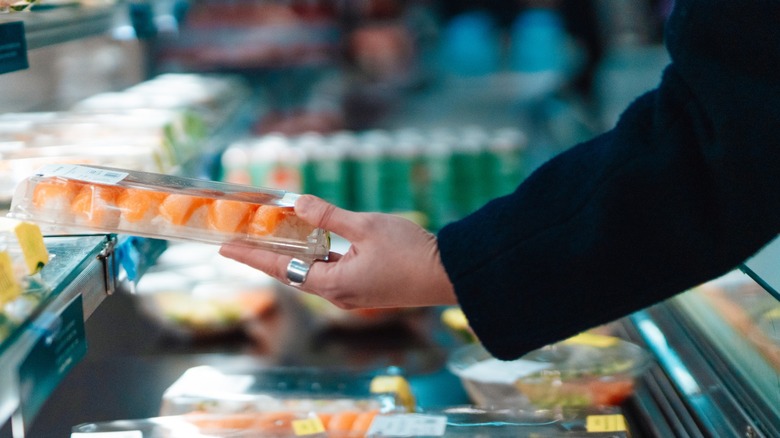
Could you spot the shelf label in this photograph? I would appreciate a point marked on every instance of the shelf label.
(9, 286)
(13, 47)
(308, 426)
(33, 247)
(605, 423)
(61, 345)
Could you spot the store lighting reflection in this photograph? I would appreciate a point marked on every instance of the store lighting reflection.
(666, 355)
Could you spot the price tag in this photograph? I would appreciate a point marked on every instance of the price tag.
(61, 345)
(123, 434)
(82, 173)
(394, 385)
(308, 426)
(9, 286)
(13, 47)
(33, 247)
(590, 339)
(605, 423)
(407, 425)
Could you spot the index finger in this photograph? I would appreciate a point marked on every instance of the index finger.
(327, 216)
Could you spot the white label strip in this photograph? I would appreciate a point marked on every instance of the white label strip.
(82, 173)
(407, 425)
(497, 371)
(123, 434)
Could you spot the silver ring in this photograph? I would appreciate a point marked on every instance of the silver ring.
(297, 271)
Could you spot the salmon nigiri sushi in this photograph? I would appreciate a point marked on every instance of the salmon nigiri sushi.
(278, 222)
(138, 208)
(178, 210)
(52, 197)
(230, 216)
(95, 206)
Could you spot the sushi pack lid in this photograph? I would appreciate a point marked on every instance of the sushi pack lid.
(255, 425)
(580, 356)
(74, 198)
(307, 389)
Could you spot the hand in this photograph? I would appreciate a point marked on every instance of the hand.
(392, 262)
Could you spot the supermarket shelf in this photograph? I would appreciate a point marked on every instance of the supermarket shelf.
(80, 274)
(58, 25)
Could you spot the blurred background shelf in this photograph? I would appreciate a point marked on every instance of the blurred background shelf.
(59, 25)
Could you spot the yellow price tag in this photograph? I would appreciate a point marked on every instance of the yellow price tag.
(9, 286)
(34, 249)
(598, 341)
(308, 426)
(396, 385)
(605, 423)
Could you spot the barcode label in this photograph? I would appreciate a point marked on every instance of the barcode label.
(407, 425)
(82, 173)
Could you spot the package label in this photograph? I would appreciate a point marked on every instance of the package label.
(82, 173)
(407, 425)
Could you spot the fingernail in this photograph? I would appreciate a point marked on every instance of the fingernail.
(303, 202)
(227, 250)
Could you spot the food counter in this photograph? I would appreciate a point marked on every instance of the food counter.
(713, 351)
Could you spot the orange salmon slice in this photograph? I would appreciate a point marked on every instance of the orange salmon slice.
(136, 203)
(177, 209)
(96, 204)
(230, 216)
(55, 189)
(267, 219)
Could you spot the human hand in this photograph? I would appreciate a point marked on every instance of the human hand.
(392, 262)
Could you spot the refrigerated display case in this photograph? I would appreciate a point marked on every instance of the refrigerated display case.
(715, 349)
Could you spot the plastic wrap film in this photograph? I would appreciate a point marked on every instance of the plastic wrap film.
(69, 198)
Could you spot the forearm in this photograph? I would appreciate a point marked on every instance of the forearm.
(679, 192)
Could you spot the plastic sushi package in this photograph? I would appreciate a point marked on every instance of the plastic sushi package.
(66, 198)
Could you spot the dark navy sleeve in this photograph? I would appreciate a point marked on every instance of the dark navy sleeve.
(681, 190)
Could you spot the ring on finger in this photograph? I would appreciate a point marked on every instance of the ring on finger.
(297, 271)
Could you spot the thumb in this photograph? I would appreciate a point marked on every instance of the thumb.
(325, 215)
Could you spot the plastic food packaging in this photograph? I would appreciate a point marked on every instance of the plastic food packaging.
(73, 197)
(193, 292)
(328, 392)
(455, 421)
(265, 425)
(583, 371)
(7, 6)
(474, 421)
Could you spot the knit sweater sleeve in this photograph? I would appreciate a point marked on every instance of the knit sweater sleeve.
(681, 190)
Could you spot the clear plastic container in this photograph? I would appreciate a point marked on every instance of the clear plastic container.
(7, 6)
(327, 392)
(192, 292)
(587, 370)
(474, 421)
(69, 198)
(256, 425)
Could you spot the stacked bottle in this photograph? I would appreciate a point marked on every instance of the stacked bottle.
(444, 173)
